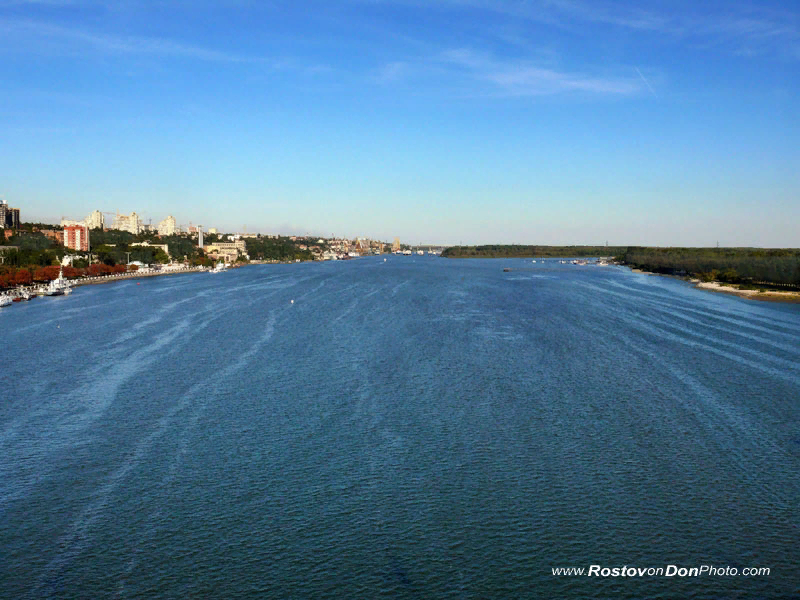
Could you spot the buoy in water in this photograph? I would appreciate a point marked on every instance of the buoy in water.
(291, 301)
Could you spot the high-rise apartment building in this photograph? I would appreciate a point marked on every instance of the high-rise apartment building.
(76, 237)
(129, 222)
(9, 217)
(167, 226)
(12, 218)
(95, 220)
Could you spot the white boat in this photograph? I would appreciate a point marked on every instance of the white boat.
(406, 252)
(53, 289)
(57, 287)
(219, 267)
(421, 252)
(5, 300)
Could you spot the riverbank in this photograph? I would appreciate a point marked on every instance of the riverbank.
(134, 275)
(101, 279)
(716, 286)
(767, 295)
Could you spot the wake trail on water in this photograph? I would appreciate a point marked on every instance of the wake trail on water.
(79, 534)
(724, 422)
(194, 399)
(77, 410)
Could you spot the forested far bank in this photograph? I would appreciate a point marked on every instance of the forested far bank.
(523, 251)
(778, 266)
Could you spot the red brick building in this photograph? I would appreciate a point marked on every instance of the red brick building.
(76, 237)
(53, 234)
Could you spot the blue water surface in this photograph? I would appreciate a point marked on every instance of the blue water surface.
(410, 428)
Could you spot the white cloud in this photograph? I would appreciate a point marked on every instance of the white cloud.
(34, 31)
(511, 78)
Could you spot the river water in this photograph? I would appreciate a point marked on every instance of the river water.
(410, 428)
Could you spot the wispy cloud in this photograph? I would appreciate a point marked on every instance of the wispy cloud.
(34, 31)
(393, 72)
(647, 83)
(740, 27)
(512, 78)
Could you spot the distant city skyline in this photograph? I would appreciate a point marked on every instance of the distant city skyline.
(457, 121)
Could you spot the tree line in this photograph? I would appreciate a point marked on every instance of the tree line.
(528, 251)
(779, 266)
(13, 276)
(281, 248)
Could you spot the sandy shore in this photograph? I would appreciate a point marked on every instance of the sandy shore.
(769, 295)
(713, 286)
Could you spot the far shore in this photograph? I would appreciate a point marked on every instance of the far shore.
(715, 286)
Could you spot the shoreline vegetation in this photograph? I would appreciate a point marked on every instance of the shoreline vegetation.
(523, 251)
(771, 274)
(33, 255)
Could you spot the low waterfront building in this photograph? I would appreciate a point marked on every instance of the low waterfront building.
(146, 244)
(229, 251)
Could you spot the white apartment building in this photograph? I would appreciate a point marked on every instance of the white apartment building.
(95, 220)
(167, 226)
(129, 222)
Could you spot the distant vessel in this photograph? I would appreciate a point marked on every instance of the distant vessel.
(63, 283)
(219, 267)
(5, 300)
(52, 289)
(57, 287)
(421, 252)
(406, 252)
(22, 296)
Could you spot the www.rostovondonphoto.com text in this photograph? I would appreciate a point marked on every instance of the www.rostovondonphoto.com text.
(667, 571)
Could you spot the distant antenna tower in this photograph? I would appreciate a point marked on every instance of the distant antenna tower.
(717, 243)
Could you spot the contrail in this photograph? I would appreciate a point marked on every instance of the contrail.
(647, 83)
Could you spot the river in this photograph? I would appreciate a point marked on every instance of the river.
(414, 427)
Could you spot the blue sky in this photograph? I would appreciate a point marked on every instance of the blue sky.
(474, 121)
